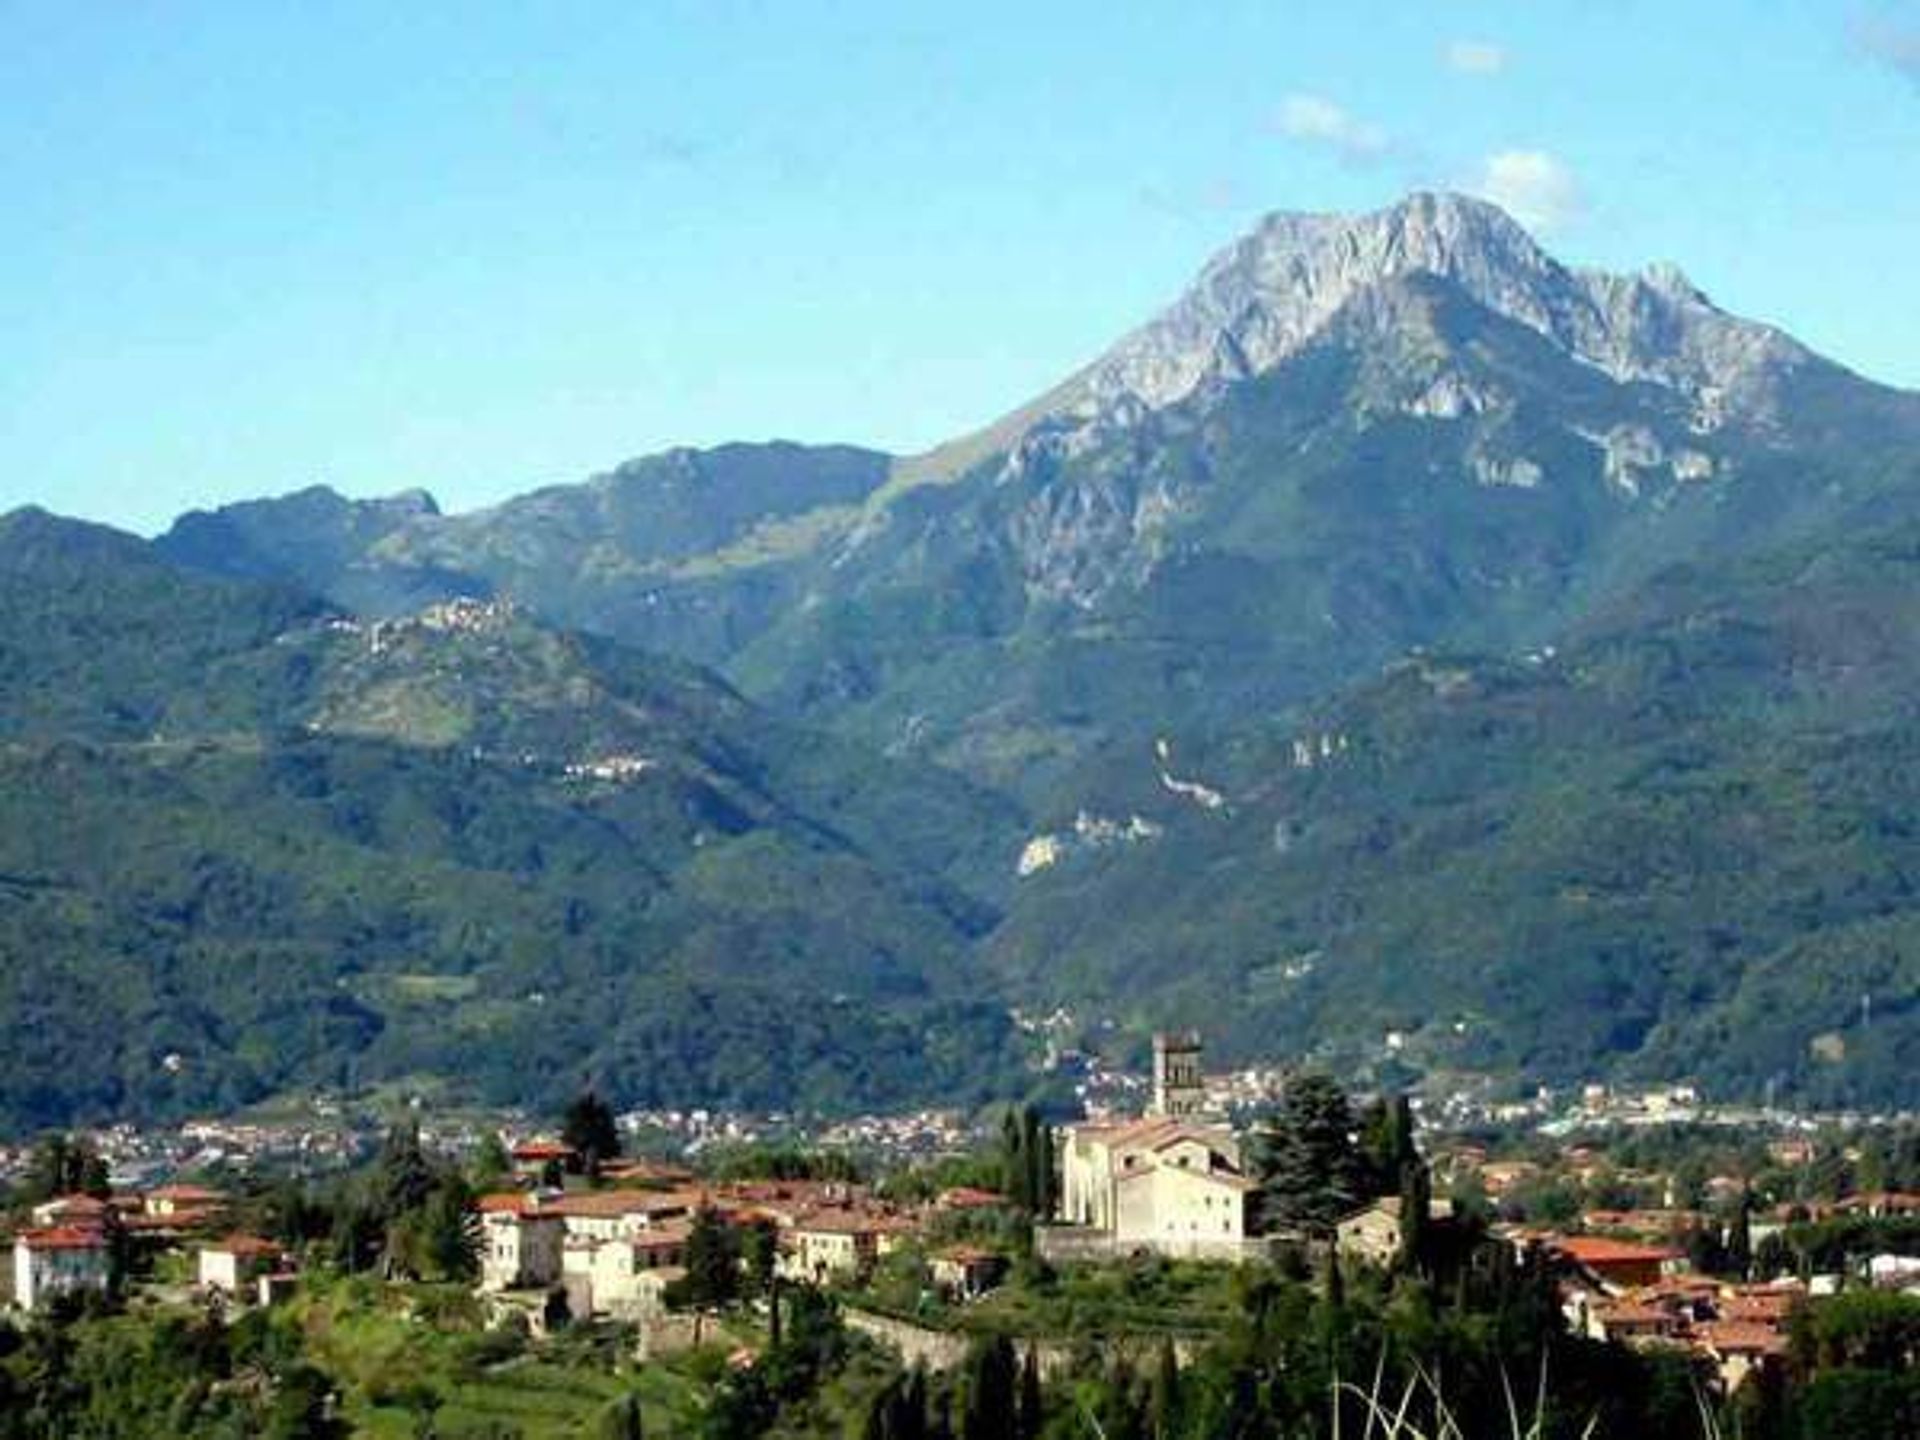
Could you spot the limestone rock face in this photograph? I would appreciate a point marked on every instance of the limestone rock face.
(1270, 294)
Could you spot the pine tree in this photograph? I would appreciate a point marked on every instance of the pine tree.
(1307, 1162)
(402, 1175)
(589, 1129)
(712, 1261)
(491, 1163)
(449, 1234)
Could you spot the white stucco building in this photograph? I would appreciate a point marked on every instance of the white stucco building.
(60, 1260)
(1167, 1182)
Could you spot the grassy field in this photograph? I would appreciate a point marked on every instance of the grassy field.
(401, 1353)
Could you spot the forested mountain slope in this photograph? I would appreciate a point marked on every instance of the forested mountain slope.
(247, 842)
(1681, 845)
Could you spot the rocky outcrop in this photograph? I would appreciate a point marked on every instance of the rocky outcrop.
(1272, 293)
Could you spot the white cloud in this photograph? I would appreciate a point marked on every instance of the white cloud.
(1891, 41)
(1534, 187)
(1319, 121)
(1476, 57)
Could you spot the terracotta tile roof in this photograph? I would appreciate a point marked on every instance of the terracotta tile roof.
(1634, 1312)
(188, 1194)
(968, 1197)
(1600, 1250)
(543, 1150)
(244, 1246)
(1765, 1306)
(659, 1171)
(669, 1236)
(1741, 1338)
(613, 1204)
(62, 1237)
(843, 1221)
(504, 1202)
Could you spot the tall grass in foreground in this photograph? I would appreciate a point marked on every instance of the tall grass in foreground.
(1421, 1411)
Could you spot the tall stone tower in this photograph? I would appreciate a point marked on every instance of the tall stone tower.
(1177, 1091)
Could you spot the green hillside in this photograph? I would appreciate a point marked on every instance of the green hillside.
(247, 843)
(1682, 845)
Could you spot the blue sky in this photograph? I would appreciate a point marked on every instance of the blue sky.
(246, 247)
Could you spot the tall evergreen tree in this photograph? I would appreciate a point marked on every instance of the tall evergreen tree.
(989, 1384)
(588, 1128)
(712, 1262)
(1740, 1238)
(1163, 1405)
(403, 1177)
(1306, 1159)
(622, 1420)
(898, 1411)
(1032, 1408)
(64, 1164)
(1416, 1211)
(1015, 1172)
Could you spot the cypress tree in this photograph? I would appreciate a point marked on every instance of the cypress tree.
(1163, 1407)
(883, 1411)
(622, 1421)
(1014, 1171)
(1740, 1237)
(1416, 1208)
(1032, 1406)
(913, 1407)
(989, 1399)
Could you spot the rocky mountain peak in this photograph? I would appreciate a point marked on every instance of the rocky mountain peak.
(1276, 290)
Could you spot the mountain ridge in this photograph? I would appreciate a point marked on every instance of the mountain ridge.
(1354, 445)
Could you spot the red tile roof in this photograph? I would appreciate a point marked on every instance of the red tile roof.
(198, 1194)
(968, 1197)
(244, 1246)
(62, 1237)
(613, 1204)
(1600, 1250)
(544, 1150)
(1741, 1337)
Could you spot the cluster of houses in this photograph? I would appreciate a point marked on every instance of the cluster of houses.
(1643, 1295)
(1172, 1182)
(615, 1251)
(78, 1245)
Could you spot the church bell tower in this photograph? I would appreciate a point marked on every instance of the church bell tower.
(1177, 1091)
